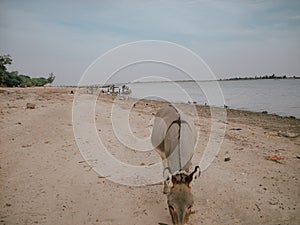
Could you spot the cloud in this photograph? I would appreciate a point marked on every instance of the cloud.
(66, 36)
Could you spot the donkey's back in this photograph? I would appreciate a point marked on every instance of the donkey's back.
(174, 136)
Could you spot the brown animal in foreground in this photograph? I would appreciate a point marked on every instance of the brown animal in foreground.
(174, 137)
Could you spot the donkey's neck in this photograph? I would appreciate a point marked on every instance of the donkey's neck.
(177, 162)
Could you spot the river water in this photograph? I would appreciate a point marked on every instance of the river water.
(280, 97)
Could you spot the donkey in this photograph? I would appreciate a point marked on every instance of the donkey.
(174, 137)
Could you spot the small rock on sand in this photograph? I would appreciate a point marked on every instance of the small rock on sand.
(30, 105)
(227, 159)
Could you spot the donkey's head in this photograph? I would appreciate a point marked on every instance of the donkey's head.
(180, 198)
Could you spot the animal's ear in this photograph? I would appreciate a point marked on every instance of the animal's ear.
(158, 132)
(193, 176)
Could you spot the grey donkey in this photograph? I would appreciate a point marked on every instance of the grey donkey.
(174, 137)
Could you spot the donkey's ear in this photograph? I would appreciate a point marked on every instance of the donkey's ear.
(193, 176)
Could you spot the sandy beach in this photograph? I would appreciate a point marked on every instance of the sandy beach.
(45, 180)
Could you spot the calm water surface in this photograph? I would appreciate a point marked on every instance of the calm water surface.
(281, 97)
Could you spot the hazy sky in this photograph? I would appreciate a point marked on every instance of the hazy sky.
(235, 38)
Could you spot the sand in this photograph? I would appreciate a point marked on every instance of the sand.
(45, 180)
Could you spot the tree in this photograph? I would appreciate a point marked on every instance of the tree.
(41, 81)
(4, 60)
(25, 81)
(51, 78)
(13, 79)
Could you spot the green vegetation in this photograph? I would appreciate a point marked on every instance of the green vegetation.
(273, 76)
(14, 79)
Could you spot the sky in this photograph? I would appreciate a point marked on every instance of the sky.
(234, 38)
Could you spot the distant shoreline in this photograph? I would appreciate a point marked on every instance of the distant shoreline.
(222, 79)
(236, 111)
(266, 77)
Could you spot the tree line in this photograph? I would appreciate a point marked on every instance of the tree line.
(273, 76)
(14, 79)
